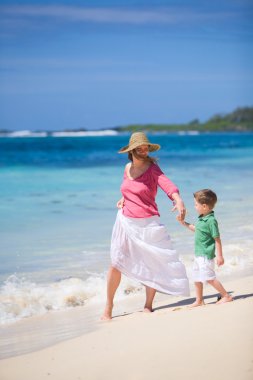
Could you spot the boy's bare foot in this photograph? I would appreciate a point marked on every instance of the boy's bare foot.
(225, 299)
(107, 316)
(196, 304)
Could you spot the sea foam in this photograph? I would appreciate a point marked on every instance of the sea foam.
(20, 298)
(28, 133)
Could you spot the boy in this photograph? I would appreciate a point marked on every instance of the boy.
(207, 241)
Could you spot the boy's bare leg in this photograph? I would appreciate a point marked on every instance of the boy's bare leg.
(113, 281)
(150, 294)
(199, 295)
(225, 297)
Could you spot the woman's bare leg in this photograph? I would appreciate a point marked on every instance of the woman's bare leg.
(150, 294)
(113, 281)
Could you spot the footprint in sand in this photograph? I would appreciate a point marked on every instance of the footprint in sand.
(176, 309)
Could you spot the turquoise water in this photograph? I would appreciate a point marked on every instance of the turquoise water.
(57, 209)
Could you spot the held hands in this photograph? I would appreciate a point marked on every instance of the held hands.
(180, 207)
(180, 220)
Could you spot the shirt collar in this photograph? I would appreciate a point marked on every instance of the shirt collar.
(206, 217)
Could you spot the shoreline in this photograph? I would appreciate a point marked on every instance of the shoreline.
(24, 336)
(174, 341)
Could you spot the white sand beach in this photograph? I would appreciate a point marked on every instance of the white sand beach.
(174, 342)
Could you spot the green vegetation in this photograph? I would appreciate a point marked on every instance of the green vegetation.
(239, 120)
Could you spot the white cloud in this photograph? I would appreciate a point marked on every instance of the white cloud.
(114, 15)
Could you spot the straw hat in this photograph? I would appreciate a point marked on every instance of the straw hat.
(137, 139)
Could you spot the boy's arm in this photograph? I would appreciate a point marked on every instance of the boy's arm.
(186, 224)
(189, 225)
(218, 249)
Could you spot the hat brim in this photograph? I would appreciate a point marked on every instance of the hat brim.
(128, 148)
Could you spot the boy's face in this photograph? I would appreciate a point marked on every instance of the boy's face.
(202, 209)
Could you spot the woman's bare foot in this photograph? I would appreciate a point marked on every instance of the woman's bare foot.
(107, 316)
(196, 304)
(147, 309)
(224, 299)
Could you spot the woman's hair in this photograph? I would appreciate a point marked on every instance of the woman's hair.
(206, 196)
(136, 155)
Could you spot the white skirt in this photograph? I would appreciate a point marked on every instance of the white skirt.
(141, 249)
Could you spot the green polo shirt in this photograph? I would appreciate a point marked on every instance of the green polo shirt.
(206, 230)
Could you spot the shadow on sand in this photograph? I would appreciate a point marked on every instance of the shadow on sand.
(189, 301)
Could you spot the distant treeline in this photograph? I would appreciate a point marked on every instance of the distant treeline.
(239, 120)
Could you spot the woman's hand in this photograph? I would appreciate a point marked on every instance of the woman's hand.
(120, 203)
(179, 206)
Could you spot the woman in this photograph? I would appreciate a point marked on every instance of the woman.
(141, 247)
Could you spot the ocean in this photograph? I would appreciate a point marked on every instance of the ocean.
(58, 205)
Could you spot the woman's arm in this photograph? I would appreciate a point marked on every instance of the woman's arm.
(170, 189)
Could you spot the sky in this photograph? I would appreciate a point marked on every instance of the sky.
(100, 64)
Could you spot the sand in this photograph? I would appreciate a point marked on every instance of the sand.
(175, 342)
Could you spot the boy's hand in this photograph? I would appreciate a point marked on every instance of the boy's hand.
(220, 260)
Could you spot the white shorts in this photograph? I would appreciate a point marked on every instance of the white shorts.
(203, 269)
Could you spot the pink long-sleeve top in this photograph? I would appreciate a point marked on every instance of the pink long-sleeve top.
(139, 193)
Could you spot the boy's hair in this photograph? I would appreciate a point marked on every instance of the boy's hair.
(206, 196)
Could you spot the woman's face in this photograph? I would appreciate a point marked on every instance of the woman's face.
(142, 150)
